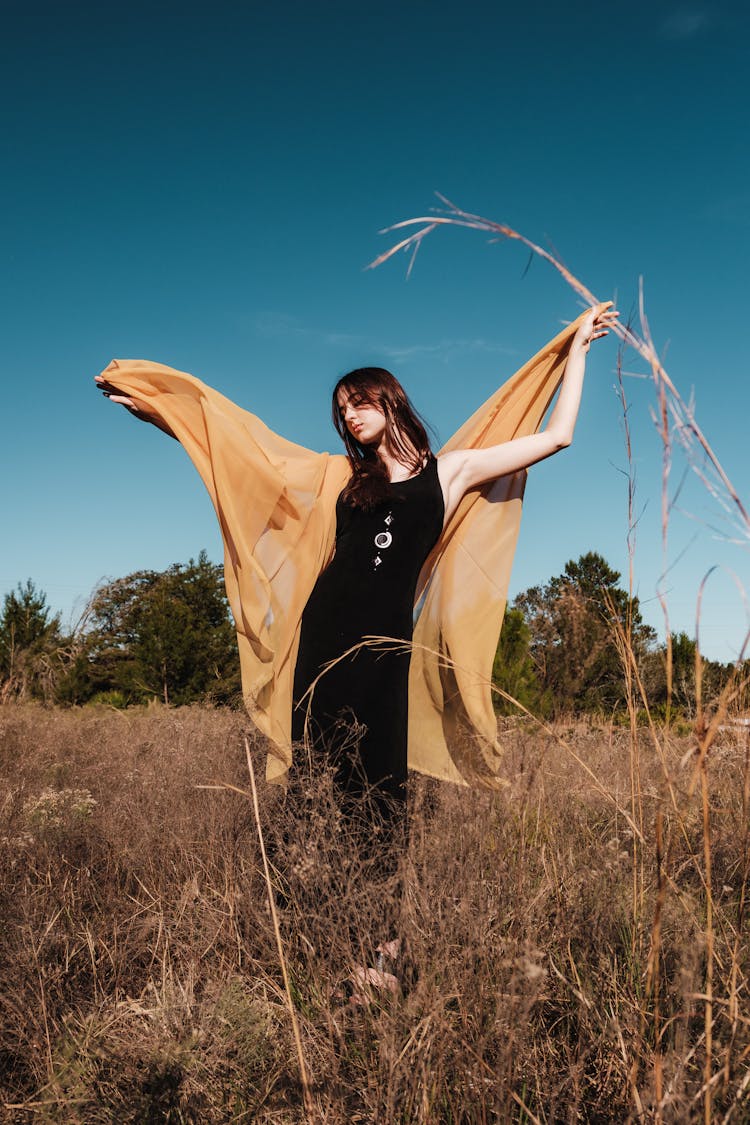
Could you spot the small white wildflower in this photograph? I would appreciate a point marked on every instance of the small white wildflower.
(54, 809)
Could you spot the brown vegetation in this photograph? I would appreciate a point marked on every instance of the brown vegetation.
(556, 933)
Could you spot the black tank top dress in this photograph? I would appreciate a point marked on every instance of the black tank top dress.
(359, 710)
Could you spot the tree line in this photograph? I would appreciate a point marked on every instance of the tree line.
(573, 646)
(169, 635)
(164, 635)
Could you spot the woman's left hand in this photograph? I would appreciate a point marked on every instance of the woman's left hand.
(595, 324)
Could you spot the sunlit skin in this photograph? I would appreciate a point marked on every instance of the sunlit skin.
(461, 469)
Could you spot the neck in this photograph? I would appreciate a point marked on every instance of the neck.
(396, 469)
(386, 455)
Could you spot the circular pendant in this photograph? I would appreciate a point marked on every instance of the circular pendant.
(383, 539)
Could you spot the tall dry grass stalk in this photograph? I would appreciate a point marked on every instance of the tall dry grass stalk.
(271, 900)
(306, 1091)
(672, 407)
(674, 419)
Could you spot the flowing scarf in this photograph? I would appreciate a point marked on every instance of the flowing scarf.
(276, 505)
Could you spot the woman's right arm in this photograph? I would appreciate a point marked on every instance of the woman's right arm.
(134, 406)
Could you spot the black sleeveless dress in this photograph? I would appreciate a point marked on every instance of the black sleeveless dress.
(359, 710)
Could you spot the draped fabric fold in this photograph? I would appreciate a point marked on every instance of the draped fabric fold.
(276, 503)
(463, 588)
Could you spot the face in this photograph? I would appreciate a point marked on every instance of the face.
(364, 420)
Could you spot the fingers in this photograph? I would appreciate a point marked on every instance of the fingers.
(110, 391)
(122, 400)
(598, 315)
(598, 323)
(604, 321)
(105, 386)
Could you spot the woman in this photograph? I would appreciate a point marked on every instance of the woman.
(388, 517)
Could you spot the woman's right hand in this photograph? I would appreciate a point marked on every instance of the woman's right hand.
(134, 406)
(110, 391)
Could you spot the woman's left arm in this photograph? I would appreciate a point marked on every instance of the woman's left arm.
(463, 469)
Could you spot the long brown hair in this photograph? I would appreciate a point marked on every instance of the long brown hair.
(405, 433)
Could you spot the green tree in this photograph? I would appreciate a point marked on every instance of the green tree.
(185, 645)
(513, 670)
(683, 671)
(574, 621)
(683, 702)
(30, 640)
(165, 634)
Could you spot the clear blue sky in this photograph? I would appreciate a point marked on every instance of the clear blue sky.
(202, 185)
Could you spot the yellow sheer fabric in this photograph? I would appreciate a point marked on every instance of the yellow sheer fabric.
(276, 507)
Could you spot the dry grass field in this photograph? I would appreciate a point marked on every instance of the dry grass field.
(566, 955)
